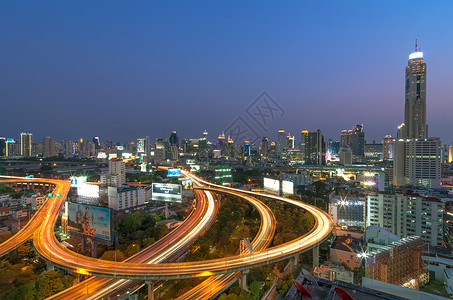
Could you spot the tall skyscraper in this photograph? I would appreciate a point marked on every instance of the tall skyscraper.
(354, 139)
(415, 97)
(26, 144)
(315, 148)
(174, 140)
(265, 147)
(49, 147)
(282, 142)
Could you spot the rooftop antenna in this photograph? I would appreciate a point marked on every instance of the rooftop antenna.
(416, 46)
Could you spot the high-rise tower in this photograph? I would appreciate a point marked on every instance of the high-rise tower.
(415, 98)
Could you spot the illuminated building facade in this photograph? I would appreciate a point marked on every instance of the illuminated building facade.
(415, 97)
(26, 144)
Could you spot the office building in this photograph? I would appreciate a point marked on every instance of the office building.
(26, 144)
(354, 139)
(282, 142)
(126, 197)
(348, 211)
(415, 126)
(10, 147)
(387, 145)
(417, 162)
(264, 147)
(407, 215)
(315, 148)
(49, 147)
(116, 175)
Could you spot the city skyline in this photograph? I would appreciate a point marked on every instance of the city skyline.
(113, 75)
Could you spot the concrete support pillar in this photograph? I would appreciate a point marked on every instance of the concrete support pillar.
(294, 261)
(244, 279)
(94, 249)
(150, 285)
(50, 266)
(316, 256)
(84, 243)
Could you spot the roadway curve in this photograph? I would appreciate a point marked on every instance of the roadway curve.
(48, 247)
(205, 212)
(215, 284)
(26, 233)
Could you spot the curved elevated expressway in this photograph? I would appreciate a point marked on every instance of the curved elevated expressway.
(48, 247)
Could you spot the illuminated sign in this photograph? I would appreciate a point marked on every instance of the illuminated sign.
(167, 192)
(88, 190)
(143, 167)
(119, 147)
(287, 187)
(90, 220)
(126, 155)
(416, 55)
(174, 172)
(78, 181)
(113, 155)
(140, 145)
(271, 184)
(102, 155)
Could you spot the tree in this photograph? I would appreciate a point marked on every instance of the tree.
(110, 255)
(47, 284)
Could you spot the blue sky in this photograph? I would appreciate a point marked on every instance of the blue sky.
(127, 69)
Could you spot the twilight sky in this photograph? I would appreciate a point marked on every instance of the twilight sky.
(125, 69)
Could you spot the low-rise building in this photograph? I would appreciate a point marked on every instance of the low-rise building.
(5, 212)
(349, 211)
(333, 273)
(125, 197)
(345, 250)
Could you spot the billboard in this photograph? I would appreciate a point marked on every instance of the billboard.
(78, 181)
(90, 220)
(174, 172)
(140, 145)
(167, 192)
(271, 184)
(88, 190)
(287, 187)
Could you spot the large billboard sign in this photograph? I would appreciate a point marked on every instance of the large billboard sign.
(167, 192)
(88, 190)
(78, 181)
(174, 172)
(90, 220)
(271, 184)
(140, 145)
(287, 187)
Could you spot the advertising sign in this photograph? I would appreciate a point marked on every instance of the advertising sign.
(174, 172)
(167, 192)
(90, 220)
(287, 187)
(140, 146)
(88, 190)
(271, 184)
(78, 181)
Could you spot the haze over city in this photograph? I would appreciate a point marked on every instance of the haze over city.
(146, 68)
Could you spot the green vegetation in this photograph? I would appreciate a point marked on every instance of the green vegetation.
(292, 222)
(15, 194)
(236, 293)
(435, 287)
(135, 231)
(236, 220)
(22, 277)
